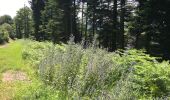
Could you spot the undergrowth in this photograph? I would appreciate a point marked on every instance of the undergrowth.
(72, 72)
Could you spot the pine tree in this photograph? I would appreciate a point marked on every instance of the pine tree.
(23, 23)
(52, 26)
(37, 7)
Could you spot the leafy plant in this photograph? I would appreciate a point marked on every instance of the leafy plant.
(4, 33)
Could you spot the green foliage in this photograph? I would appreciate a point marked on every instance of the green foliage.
(150, 77)
(11, 60)
(156, 31)
(36, 91)
(94, 73)
(5, 30)
(11, 57)
(23, 23)
(10, 30)
(6, 19)
(51, 21)
(118, 23)
(34, 51)
(37, 7)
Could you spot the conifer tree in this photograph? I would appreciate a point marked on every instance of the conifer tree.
(52, 26)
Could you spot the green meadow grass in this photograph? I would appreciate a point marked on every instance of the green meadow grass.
(11, 59)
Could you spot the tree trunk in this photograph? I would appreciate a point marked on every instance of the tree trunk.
(74, 21)
(148, 40)
(93, 25)
(122, 20)
(86, 26)
(115, 22)
(137, 41)
(82, 19)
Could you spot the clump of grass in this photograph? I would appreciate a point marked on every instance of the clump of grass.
(78, 72)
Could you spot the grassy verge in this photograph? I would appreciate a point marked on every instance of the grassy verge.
(72, 72)
(11, 59)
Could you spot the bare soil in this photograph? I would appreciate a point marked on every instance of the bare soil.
(11, 76)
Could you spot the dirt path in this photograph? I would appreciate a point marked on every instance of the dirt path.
(4, 46)
(13, 70)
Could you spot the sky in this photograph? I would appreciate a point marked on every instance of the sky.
(10, 7)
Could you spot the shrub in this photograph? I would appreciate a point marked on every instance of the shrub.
(151, 78)
(9, 29)
(6, 31)
(4, 35)
(34, 51)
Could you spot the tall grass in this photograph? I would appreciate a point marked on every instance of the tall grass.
(93, 73)
(81, 73)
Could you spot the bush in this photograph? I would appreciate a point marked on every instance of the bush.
(10, 30)
(150, 77)
(6, 31)
(4, 35)
(34, 51)
(93, 73)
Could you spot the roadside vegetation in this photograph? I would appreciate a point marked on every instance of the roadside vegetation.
(118, 50)
(72, 72)
(12, 64)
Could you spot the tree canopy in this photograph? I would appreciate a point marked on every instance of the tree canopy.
(118, 24)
